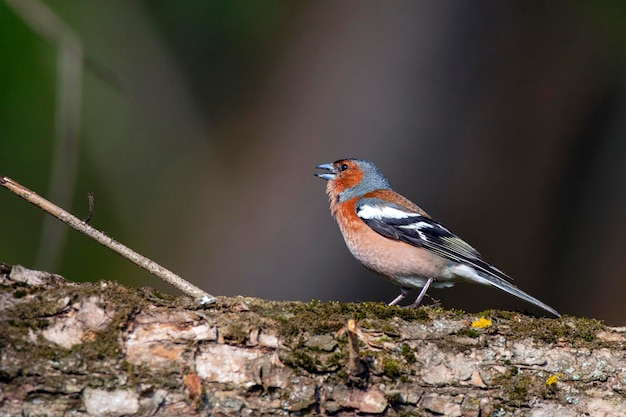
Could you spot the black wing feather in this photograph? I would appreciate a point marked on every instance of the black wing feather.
(396, 222)
(433, 237)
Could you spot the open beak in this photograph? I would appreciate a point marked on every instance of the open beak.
(330, 175)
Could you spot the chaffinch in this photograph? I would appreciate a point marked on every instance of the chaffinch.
(395, 238)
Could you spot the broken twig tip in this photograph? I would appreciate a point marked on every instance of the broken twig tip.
(91, 207)
(206, 300)
(356, 367)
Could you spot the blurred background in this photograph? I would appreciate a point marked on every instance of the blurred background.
(197, 125)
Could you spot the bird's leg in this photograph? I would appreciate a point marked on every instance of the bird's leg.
(403, 293)
(418, 300)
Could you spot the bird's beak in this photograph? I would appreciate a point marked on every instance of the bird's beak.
(326, 175)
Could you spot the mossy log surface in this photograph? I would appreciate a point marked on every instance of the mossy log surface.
(103, 349)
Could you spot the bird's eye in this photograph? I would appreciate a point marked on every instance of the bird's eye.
(343, 167)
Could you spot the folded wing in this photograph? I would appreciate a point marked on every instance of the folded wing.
(399, 223)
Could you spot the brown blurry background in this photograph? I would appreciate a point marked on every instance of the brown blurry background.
(201, 123)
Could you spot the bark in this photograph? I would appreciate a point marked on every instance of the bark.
(102, 349)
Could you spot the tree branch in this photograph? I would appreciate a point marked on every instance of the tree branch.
(104, 349)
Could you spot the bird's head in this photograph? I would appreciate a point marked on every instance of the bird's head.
(350, 178)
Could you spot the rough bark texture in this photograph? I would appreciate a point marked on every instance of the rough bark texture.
(107, 350)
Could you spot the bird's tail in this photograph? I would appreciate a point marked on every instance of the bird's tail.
(480, 277)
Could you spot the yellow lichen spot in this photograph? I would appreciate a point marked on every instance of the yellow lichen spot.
(481, 323)
(552, 380)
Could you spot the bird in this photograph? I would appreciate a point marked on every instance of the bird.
(395, 238)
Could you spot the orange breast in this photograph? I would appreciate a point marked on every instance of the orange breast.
(390, 258)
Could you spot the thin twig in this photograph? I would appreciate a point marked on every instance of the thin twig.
(100, 237)
(91, 207)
